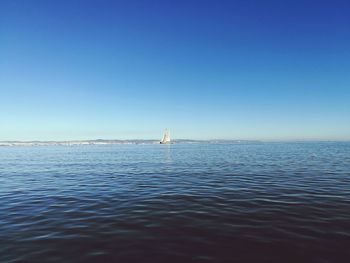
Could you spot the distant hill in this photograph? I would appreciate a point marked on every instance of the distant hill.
(111, 142)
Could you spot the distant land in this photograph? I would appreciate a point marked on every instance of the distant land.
(112, 142)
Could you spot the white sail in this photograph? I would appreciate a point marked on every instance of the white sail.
(166, 137)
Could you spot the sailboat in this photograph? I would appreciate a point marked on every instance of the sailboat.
(166, 138)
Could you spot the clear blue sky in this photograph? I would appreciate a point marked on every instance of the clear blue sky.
(204, 69)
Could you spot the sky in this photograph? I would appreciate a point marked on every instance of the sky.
(205, 69)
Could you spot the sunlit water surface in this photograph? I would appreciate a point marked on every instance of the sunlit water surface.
(267, 202)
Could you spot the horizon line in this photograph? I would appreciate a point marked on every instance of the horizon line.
(180, 139)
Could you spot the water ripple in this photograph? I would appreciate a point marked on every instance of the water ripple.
(271, 202)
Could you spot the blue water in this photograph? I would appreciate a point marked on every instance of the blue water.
(263, 202)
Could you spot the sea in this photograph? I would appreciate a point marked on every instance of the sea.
(225, 202)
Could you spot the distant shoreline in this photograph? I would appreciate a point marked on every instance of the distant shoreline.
(114, 142)
(140, 141)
